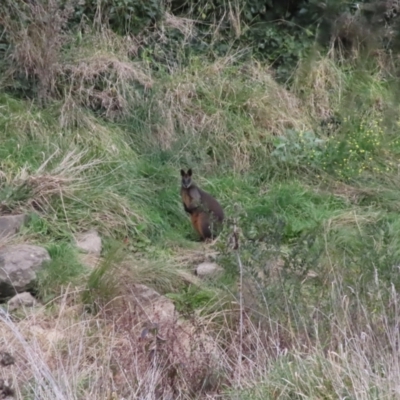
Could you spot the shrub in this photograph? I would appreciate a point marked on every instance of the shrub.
(44, 62)
(122, 16)
(35, 32)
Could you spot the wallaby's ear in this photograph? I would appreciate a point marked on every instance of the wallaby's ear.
(190, 171)
(182, 172)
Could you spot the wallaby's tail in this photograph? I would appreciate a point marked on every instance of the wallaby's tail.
(205, 226)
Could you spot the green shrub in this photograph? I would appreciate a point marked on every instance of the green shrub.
(123, 16)
(355, 149)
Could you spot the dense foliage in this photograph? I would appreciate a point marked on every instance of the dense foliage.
(280, 32)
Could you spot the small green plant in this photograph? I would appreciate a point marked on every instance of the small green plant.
(356, 150)
(346, 155)
(102, 282)
(12, 195)
(298, 149)
(37, 225)
(64, 268)
(191, 298)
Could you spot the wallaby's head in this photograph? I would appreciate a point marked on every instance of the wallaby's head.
(186, 178)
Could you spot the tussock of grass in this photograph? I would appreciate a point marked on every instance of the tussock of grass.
(346, 365)
(225, 112)
(102, 79)
(321, 84)
(37, 34)
(63, 269)
(99, 75)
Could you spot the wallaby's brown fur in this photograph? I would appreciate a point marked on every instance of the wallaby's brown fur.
(205, 212)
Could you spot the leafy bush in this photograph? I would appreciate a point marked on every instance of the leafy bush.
(34, 34)
(44, 62)
(352, 153)
(123, 16)
(298, 150)
(347, 154)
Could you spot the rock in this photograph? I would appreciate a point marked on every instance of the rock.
(207, 269)
(192, 339)
(159, 312)
(24, 299)
(156, 308)
(18, 267)
(180, 348)
(11, 224)
(89, 242)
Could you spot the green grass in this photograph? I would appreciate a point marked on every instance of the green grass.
(324, 202)
(63, 269)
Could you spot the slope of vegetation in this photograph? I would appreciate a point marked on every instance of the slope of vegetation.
(95, 124)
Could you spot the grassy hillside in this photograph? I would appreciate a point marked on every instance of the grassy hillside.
(307, 173)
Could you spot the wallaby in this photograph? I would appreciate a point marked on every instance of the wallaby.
(205, 212)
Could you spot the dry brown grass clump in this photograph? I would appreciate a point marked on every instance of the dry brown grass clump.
(100, 75)
(321, 85)
(201, 100)
(35, 31)
(62, 180)
(229, 112)
(114, 354)
(102, 80)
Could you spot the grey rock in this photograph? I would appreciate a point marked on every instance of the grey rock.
(89, 242)
(24, 299)
(18, 267)
(11, 224)
(188, 343)
(157, 309)
(207, 269)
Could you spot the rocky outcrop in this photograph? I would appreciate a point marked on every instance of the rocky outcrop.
(156, 309)
(160, 315)
(182, 347)
(89, 242)
(11, 224)
(19, 265)
(24, 299)
(208, 269)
